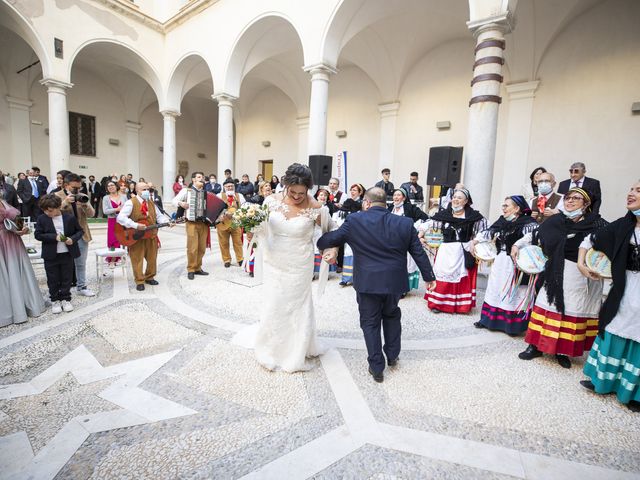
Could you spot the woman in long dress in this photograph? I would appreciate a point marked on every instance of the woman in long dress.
(20, 295)
(502, 309)
(613, 365)
(111, 206)
(455, 268)
(286, 334)
(564, 321)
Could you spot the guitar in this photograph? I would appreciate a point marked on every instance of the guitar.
(129, 236)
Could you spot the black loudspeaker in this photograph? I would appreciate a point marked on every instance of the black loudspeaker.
(320, 166)
(445, 166)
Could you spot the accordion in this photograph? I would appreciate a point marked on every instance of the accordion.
(203, 206)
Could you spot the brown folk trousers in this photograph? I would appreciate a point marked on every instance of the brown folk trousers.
(196, 245)
(223, 240)
(144, 249)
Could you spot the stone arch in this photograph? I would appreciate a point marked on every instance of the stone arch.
(15, 21)
(190, 70)
(247, 52)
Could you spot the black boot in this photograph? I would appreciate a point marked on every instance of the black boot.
(530, 353)
(563, 361)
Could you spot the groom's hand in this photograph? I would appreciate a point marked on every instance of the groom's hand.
(431, 286)
(330, 255)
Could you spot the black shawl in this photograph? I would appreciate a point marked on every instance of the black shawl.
(411, 211)
(465, 228)
(553, 238)
(613, 240)
(507, 233)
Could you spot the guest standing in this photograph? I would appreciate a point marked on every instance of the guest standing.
(530, 190)
(547, 203)
(112, 203)
(178, 184)
(225, 228)
(577, 179)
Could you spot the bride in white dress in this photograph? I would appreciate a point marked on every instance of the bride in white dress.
(286, 334)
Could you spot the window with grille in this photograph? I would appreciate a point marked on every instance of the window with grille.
(82, 134)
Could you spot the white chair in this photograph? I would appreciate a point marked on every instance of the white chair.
(102, 253)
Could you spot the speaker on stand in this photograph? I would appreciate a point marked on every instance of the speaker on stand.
(320, 166)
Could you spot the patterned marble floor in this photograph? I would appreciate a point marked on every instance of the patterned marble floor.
(152, 385)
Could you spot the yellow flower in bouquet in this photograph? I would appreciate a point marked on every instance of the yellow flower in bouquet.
(249, 216)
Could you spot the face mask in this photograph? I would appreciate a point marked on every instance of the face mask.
(230, 192)
(544, 188)
(456, 209)
(398, 204)
(212, 181)
(635, 212)
(510, 218)
(574, 214)
(145, 195)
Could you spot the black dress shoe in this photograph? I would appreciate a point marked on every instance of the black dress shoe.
(239, 264)
(634, 406)
(435, 310)
(151, 282)
(378, 377)
(140, 287)
(392, 363)
(201, 272)
(251, 274)
(343, 284)
(588, 385)
(191, 275)
(563, 361)
(530, 353)
(227, 264)
(478, 325)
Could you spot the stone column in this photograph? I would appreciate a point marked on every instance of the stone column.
(133, 148)
(59, 149)
(20, 125)
(225, 133)
(303, 137)
(317, 143)
(483, 109)
(388, 120)
(516, 155)
(168, 154)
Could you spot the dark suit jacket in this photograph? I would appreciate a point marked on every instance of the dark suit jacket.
(380, 242)
(43, 184)
(591, 185)
(24, 191)
(418, 196)
(46, 233)
(10, 195)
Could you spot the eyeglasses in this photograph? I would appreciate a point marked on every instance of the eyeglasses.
(573, 198)
(575, 170)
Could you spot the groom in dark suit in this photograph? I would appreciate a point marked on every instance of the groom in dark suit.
(380, 242)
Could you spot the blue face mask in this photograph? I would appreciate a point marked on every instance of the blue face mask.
(636, 212)
(510, 218)
(544, 188)
(145, 195)
(574, 214)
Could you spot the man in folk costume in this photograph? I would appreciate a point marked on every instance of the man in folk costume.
(138, 212)
(194, 201)
(547, 203)
(225, 228)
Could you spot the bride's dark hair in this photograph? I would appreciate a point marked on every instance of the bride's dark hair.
(298, 174)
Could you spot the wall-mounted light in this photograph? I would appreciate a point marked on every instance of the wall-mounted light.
(114, 141)
(443, 125)
(635, 108)
(46, 131)
(341, 133)
(36, 122)
(201, 155)
(266, 143)
(161, 149)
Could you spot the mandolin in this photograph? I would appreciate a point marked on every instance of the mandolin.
(129, 236)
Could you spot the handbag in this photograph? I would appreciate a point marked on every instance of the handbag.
(469, 260)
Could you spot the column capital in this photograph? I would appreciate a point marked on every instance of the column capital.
(320, 70)
(170, 114)
(302, 123)
(54, 85)
(503, 22)
(224, 99)
(522, 90)
(389, 109)
(132, 126)
(19, 103)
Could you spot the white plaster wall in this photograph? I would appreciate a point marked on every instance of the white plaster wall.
(270, 116)
(436, 89)
(582, 112)
(150, 141)
(6, 163)
(353, 106)
(39, 140)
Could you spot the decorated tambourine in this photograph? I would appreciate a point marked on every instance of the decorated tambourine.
(486, 251)
(433, 240)
(531, 260)
(599, 263)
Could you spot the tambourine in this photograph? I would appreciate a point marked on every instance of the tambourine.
(531, 260)
(598, 262)
(433, 240)
(486, 251)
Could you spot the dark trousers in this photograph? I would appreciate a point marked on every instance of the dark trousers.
(59, 274)
(376, 311)
(31, 209)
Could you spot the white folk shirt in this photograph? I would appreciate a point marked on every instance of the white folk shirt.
(123, 217)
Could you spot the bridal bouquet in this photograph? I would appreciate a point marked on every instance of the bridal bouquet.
(249, 216)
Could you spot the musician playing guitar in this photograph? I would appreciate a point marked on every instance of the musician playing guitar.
(193, 200)
(138, 212)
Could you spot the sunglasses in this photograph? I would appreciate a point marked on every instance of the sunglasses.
(575, 170)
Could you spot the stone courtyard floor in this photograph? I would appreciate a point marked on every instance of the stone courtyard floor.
(152, 386)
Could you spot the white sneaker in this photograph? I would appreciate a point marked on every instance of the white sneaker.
(85, 292)
(66, 306)
(56, 307)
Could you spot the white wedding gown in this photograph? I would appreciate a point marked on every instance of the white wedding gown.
(286, 334)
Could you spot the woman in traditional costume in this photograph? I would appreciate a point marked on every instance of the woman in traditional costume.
(504, 308)
(564, 321)
(613, 365)
(455, 268)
